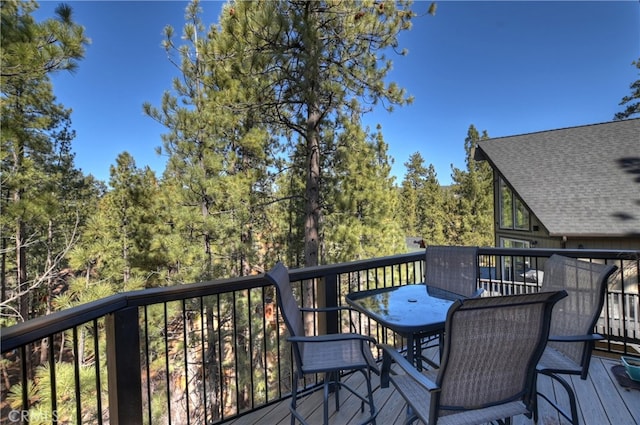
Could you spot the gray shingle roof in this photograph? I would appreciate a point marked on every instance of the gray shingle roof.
(578, 181)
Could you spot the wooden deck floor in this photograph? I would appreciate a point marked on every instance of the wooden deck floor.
(601, 401)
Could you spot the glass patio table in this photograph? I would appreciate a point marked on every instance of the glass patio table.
(413, 311)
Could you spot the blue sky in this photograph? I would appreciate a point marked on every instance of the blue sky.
(508, 67)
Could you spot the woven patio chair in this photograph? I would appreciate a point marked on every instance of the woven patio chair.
(454, 269)
(328, 354)
(488, 370)
(572, 336)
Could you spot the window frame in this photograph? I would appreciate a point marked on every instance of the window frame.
(509, 220)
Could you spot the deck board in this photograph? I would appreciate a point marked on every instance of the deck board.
(601, 401)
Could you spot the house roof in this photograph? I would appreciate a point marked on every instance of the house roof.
(578, 181)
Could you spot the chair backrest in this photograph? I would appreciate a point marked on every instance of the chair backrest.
(585, 282)
(279, 276)
(491, 349)
(452, 268)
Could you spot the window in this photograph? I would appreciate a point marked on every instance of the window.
(513, 213)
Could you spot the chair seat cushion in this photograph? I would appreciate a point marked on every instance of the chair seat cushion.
(336, 355)
(553, 359)
(420, 401)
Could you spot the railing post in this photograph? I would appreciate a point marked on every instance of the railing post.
(123, 367)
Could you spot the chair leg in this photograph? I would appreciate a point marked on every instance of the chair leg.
(372, 408)
(325, 400)
(336, 388)
(533, 400)
(294, 397)
(572, 400)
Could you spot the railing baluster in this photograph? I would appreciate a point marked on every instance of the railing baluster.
(76, 374)
(147, 362)
(185, 344)
(167, 370)
(96, 359)
(203, 357)
(52, 380)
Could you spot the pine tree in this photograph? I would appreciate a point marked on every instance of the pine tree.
(409, 194)
(322, 57)
(472, 199)
(34, 129)
(118, 247)
(218, 155)
(632, 101)
(360, 199)
(422, 202)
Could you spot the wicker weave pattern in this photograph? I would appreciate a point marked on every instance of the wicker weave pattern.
(501, 340)
(491, 348)
(337, 355)
(577, 314)
(453, 268)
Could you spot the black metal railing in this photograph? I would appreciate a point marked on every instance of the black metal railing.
(212, 351)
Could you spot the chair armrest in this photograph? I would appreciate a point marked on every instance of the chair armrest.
(391, 355)
(575, 338)
(331, 337)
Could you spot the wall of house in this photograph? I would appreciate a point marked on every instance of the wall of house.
(603, 243)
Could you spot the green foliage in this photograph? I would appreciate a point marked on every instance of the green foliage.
(309, 63)
(631, 101)
(218, 156)
(458, 215)
(39, 393)
(471, 206)
(360, 199)
(44, 198)
(422, 201)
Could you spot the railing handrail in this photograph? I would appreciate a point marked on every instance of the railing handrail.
(40, 327)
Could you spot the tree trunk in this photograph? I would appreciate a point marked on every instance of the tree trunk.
(3, 269)
(21, 266)
(44, 346)
(312, 212)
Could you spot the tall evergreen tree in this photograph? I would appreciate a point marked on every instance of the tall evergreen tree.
(422, 201)
(118, 247)
(322, 55)
(32, 125)
(410, 193)
(218, 155)
(472, 197)
(360, 198)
